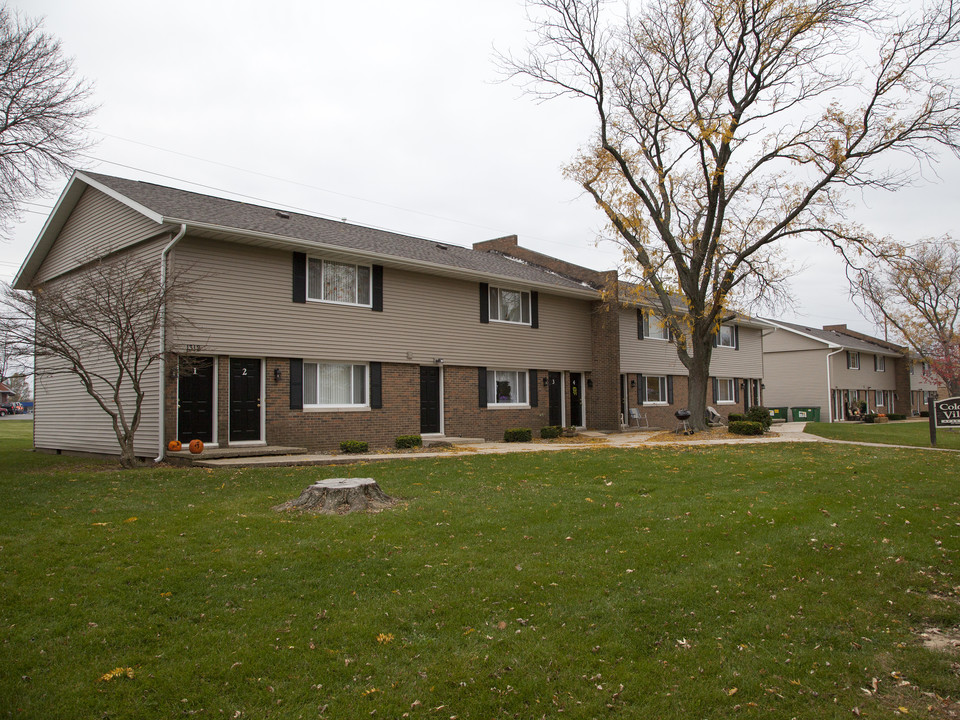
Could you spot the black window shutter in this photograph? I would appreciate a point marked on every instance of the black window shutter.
(639, 324)
(484, 307)
(736, 337)
(640, 388)
(482, 385)
(736, 390)
(670, 389)
(534, 309)
(716, 389)
(377, 276)
(299, 277)
(376, 385)
(296, 384)
(715, 338)
(532, 392)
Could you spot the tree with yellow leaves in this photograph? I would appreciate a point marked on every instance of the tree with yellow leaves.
(726, 128)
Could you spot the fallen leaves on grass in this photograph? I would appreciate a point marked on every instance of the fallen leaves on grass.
(116, 673)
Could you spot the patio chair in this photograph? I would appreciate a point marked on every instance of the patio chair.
(714, 417)
(635, 414)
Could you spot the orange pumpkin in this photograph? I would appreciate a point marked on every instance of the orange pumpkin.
(175, 446)
(196, 446)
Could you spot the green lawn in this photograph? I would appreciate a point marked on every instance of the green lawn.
(771, 581)
(914, 434)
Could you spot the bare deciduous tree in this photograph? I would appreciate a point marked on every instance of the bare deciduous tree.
(918, 293)
(728, 127)
(44, 108)
(104, 328)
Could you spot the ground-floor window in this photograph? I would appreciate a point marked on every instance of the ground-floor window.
(334, 385)
(726, 390)
(655, 390)
(506, 387)
(882, 398)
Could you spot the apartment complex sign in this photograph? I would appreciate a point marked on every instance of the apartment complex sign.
(947, 412)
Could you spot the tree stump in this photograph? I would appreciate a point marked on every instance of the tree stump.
(340, 496)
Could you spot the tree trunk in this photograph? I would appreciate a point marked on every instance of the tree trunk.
(698, 381)
(339, 496)
(128, 458)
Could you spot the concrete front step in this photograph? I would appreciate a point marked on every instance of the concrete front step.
(439, 440)
(185, 457)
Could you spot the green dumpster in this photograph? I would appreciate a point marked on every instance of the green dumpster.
(778, 413)
(806, 414)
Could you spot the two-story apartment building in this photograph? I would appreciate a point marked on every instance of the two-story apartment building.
(306, 331)
(839, 370)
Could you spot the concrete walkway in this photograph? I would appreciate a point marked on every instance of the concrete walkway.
(787, 432)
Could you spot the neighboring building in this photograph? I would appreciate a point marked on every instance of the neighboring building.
(308, 331)
(6, 394)
(841, 371)
(924, 384)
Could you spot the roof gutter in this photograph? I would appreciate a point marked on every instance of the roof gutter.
(163, 336)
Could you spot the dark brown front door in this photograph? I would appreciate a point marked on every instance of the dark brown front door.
(195, 400)
(244, 399)
(429, 399)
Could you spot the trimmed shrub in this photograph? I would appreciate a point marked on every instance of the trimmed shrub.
(518, 435)
(925, 413)
(746, 427)
(353, 446)
(869, 418)
(896, 416)
(736, 417)
(760, 414)
(404, 442)
(550, 431)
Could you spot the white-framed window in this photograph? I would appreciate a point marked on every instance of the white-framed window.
(506, 387)
(881, 398)
(654, 328)
(655, 390)
(853, 360)
(338, 282)
(511, 306)
(726, 390)
(879, 363)
(727, 337)
(328, 384)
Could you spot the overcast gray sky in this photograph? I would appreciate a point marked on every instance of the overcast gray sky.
(387, 114)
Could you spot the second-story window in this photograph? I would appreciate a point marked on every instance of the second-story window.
(655, 328)
(853, 360)
(879, 363)
(338, 282)
(727, 337)
(511, 306)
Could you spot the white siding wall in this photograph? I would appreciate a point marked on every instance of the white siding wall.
(244, 306)
(865, 378)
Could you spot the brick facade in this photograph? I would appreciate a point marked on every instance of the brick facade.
(399, 415)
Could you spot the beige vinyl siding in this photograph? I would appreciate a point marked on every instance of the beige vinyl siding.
(864, 378)
(67, 418)
(747, 362)
(659, 357)
(245, 307)
(797, 378)
(98, 225)
(781, 340)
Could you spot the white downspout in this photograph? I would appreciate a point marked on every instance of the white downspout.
(829, 387)
(163, 337)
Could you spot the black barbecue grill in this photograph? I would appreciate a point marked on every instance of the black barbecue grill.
(683, 428)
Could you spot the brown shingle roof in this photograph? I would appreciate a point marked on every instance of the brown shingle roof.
(190, 207)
